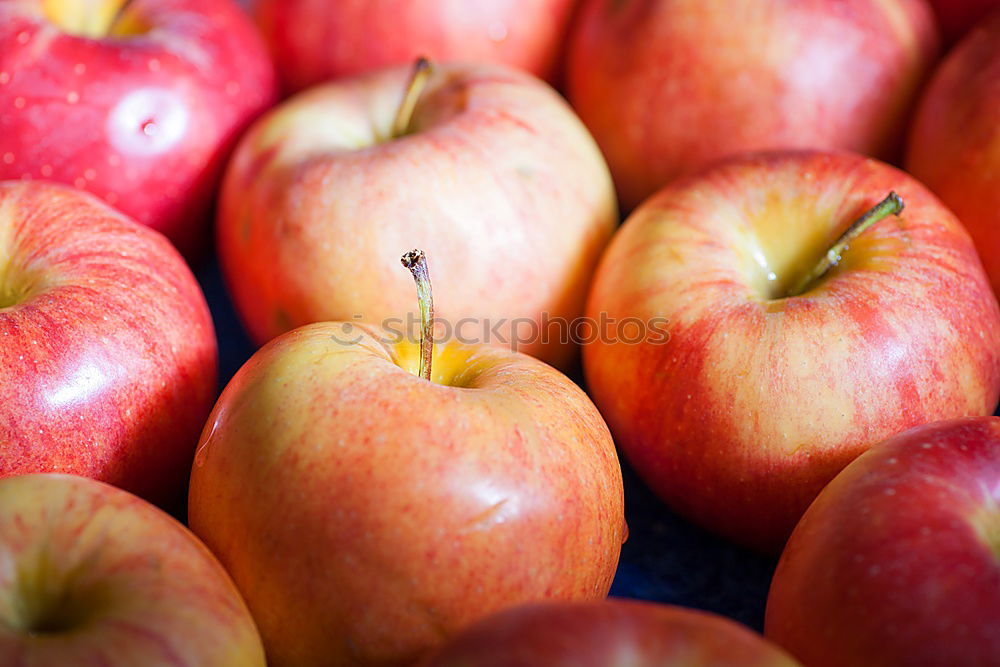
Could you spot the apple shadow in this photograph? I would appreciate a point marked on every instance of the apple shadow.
(670, 560)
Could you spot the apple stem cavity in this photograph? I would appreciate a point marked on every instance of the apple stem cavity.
(418, 81)
(416, 262)
(891, 205)
(115, 19)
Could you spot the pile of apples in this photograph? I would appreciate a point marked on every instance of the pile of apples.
(794, 343)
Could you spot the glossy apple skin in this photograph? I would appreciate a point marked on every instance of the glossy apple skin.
(96, 577)
(757, 401)
(896, 563)
(957, 17)
(608, 633)
(108, 354)
(499, 183)
(954, 145)
(317, 40)
(145, 122)
(689, 89)
(388, 512)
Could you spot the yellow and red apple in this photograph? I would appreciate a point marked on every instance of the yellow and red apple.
(767, 387)
(668, 86)
(369, 505)
(487, 169)
(954, 144)
(91, 576)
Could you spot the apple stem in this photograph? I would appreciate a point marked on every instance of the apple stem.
(891, 205)
(418, 80)
(416, 262)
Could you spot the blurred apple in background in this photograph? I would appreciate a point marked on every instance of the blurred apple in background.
(138, 102)
(767, 387)
(956, 17)
(108, 355)
(607, 634)
(492, 174)
(896, 563)
(93, 576)
(367, 514)
(667, 86)
(316, 40)
(954, 143)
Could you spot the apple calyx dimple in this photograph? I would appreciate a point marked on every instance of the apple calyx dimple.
(891, 205)
(418, 81)
(416, 262)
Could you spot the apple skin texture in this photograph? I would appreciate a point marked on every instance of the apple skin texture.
(694, 81)
(317, 40)
(498, 182)
(144, 121)
(367, 514)
(757, 401)
(93, 576)
(107, 349)
(896, 563)
(609, 633)
(954, 145)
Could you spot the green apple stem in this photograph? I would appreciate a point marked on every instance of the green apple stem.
(416, 262)
(891, 205)
(418, 80)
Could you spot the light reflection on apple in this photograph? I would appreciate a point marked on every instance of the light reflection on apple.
(82, 387)
(148, 121)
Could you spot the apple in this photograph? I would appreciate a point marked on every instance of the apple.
(787, 355)
(93, 576)
(138, 102)
(605, 634)
(668, 86)
(956, 17)
(108, 354)
(954, 144)
(371, 497)
(316, 40)
(896, 561)
(484, 167)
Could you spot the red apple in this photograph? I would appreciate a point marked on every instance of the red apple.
(367, 513)
(667, 86)
(491, 173)
(137, 102)
(93, 576)
(605, 634)
(107, 360)
(316, 40)
(896, 563)
(956, 17)
(954, 144)
(767, 387)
